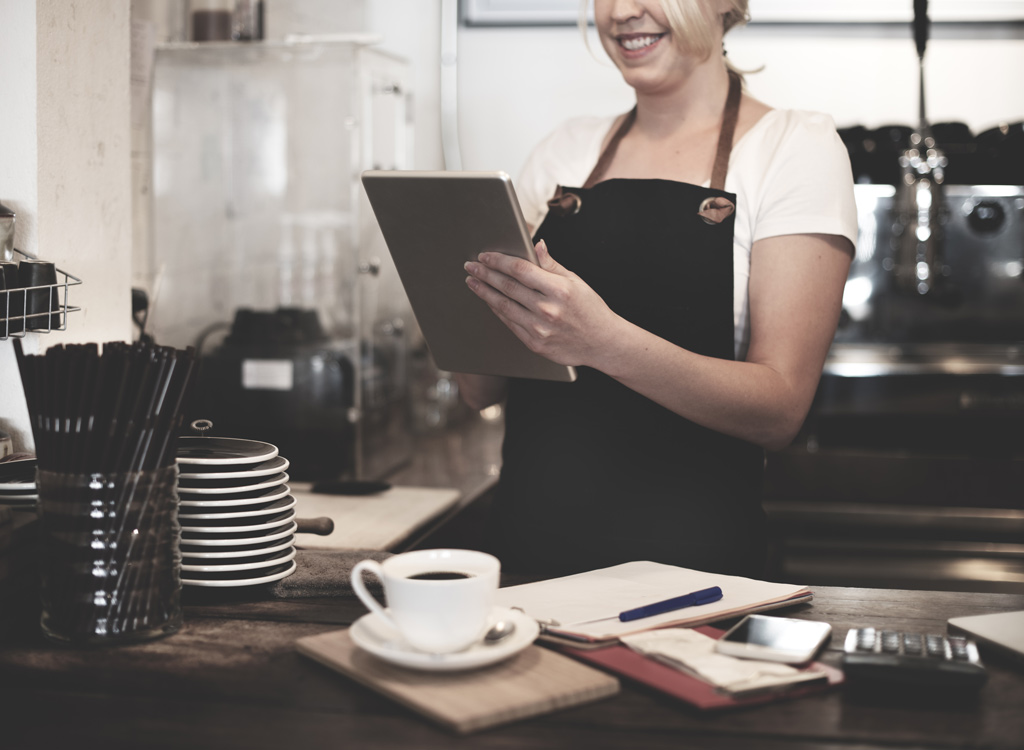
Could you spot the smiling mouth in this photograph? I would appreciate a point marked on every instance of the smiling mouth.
(639, 41)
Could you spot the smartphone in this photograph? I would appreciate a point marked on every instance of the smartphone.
(774, 639)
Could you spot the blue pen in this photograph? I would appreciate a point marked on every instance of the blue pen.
(705, 596)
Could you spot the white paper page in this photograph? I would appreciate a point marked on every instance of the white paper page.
(580, 598)
(605, 593)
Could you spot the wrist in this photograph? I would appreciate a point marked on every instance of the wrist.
(614, 353)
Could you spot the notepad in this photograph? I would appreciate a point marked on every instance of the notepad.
(585, 607)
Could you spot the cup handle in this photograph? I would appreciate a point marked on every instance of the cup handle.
(371, 566)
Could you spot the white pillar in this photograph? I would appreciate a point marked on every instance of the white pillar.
(65, 127)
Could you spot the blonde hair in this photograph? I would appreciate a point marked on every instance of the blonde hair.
(693, 24)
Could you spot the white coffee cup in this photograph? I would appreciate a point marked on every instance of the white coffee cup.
(438, 615)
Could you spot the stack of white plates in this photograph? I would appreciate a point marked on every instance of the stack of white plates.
(18, 483)
(237, 516)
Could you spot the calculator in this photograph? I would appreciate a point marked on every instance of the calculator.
(920, 659)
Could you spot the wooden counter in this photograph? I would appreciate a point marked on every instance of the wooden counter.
(232, 679)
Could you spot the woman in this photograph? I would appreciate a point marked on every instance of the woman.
(694, 279)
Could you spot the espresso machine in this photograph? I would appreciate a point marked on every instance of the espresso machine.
(909, 468)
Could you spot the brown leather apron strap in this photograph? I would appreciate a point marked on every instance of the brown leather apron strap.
(609, 151)
(729, 117)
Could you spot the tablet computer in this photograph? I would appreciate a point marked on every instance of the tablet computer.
(433, 222)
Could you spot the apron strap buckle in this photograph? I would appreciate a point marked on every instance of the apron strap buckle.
(715, 210)
(563, 203)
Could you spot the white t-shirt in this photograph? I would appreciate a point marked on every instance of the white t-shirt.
(790, 173)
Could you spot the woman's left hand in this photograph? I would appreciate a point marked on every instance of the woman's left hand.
(549, 308)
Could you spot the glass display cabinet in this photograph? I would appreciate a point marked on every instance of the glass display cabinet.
(264, 253)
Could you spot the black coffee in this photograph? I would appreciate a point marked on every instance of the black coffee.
(439, 575)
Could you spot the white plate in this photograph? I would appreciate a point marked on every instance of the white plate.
(240, 554)
(234, 525)
(217, 451)
(26, 486)
(216, 567)
(274, 481)
(260, 496)
(206, 541)
(19, 500)
(373, 634)
(278, 506)
(273, 466)
(275, 575)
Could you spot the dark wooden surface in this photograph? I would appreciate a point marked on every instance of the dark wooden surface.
(232, 678)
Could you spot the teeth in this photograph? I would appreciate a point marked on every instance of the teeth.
(640, 42)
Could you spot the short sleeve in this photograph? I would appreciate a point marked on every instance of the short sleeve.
(564, 157)
(808, 182)
(535, 184)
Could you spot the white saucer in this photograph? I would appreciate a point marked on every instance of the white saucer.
(234, 525)
(270, 561)
(203, 540)
(273, 466)
(262, 509)
(273, 481)
(216, 451)
(378, 637)
(275, 575)
(19, 500)
(25, 485)
(239, 552)
(260, 496)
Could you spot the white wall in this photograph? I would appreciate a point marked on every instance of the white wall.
(66, 167)
(516, 83)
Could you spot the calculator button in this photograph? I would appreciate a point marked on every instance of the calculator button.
(912, 643)
(899, 659)
(958, 647)
(866, 639)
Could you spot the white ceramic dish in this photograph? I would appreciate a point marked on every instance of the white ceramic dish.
(212, 501)
(234, 525)
(275, 574)
(236, 553)
(19, 500)
(272, 481)
(238, 540)
(377, 636)
(27, 485)
(18, 470)
(264, 509)
(273, 466)
(268, 561)
(217, 451)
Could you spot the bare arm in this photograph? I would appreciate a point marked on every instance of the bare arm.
(796, 285)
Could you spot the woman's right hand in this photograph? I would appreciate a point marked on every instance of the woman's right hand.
(480, 391)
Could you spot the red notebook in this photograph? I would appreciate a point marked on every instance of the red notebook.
(624, 661)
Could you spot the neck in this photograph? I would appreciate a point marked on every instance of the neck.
(696, 103)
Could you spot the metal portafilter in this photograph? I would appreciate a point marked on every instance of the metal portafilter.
(920, 203)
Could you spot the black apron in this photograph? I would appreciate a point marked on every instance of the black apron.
(593, 473)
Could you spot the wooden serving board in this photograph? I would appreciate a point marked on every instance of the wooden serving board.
(379, 521)
(534, 681)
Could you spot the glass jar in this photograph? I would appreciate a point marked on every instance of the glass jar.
(111, 563)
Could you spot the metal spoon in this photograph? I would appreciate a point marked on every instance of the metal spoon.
(499, 631)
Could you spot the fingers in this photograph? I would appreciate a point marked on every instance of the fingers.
(503, 297)
(531, 275)
(544, 259)
(492, 280)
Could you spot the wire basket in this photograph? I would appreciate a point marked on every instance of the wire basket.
(20, 307)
